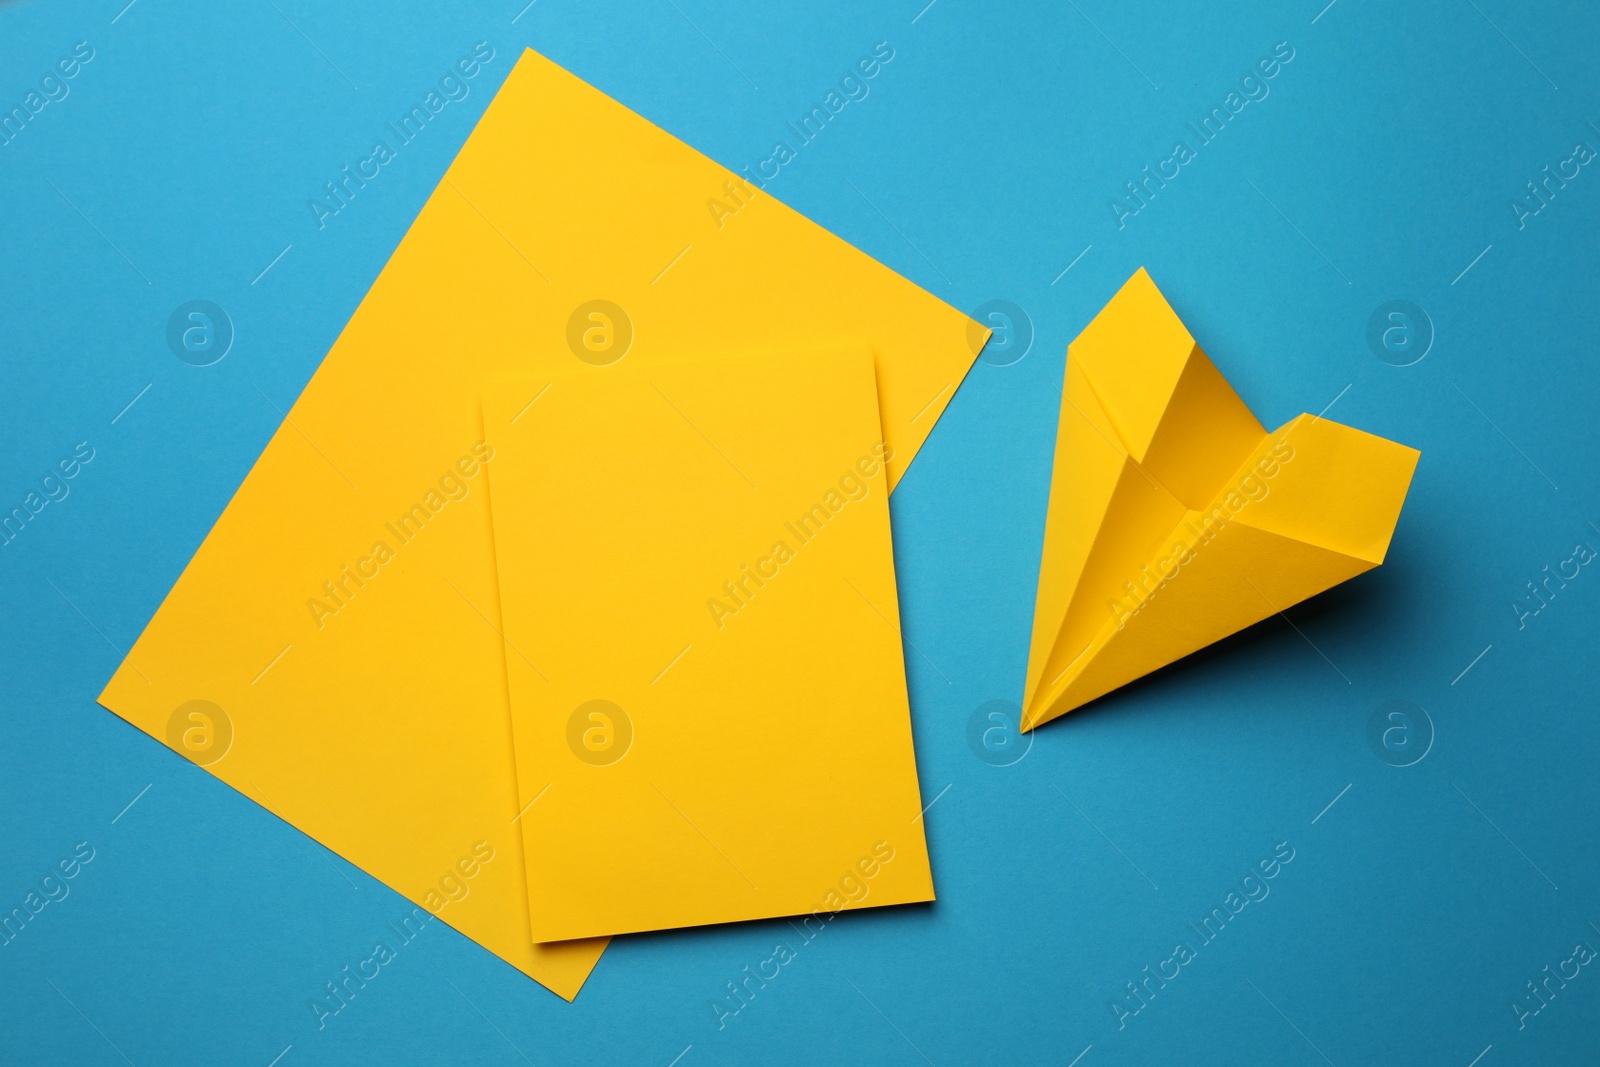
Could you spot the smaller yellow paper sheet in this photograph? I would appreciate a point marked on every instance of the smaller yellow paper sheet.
(703, 645)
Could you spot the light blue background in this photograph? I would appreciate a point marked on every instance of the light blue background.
(1382, 164)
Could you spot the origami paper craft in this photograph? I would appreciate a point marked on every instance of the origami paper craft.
(1175, 519)
(703, 644)
(341, 621)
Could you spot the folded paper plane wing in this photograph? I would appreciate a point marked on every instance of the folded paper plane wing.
(1175, 518)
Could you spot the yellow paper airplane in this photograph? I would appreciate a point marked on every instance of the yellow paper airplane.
(1175, 519)
(340, 626)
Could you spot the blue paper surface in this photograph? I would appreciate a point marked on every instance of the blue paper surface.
(1420, 742)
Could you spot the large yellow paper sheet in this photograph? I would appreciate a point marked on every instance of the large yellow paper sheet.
(1175, 519)
(341, 620)
(702, 636)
